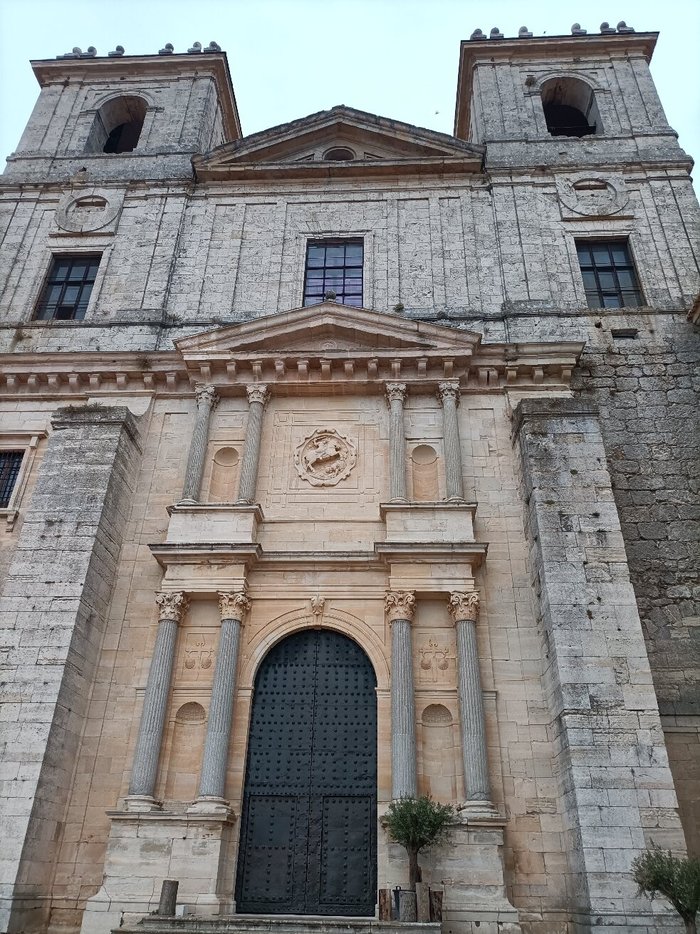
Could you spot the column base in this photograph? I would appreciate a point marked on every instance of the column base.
(145, 847)
(477, 810)
(212, 805)
(470, 866)
(138, 804)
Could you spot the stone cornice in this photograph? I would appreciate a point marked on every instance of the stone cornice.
(493, 368)
(300, 352)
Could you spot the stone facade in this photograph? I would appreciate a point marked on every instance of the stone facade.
(488, 485)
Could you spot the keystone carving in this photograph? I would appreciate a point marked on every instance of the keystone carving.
(399, 604)
(464, 605)
(318, 605)
(325, 457)
(172, 605)
(233, 605)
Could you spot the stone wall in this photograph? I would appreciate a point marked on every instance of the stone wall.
(54, 605)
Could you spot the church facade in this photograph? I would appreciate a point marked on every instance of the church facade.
(345, 462)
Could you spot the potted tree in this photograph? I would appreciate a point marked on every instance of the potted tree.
(676, 878)
(416, 823)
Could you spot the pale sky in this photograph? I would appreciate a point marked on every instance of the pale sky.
(290, 58)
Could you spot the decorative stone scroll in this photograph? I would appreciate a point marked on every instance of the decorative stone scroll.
(464, 605)
(234, 605)
(172, 605)
(258, 392)
(399, 604)
(325, 457)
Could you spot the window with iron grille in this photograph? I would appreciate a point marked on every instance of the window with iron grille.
(67, 289)
(334, 271)
(609, 276)
(10, 463)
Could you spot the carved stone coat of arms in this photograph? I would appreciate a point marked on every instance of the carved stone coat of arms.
(325, 457)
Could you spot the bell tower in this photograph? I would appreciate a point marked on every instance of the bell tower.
(125, 117)
(563, 100)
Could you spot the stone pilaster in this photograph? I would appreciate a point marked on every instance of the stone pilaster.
(206, 402)
(171, 608)
(448, 393)
(396, 397)
(233, 607)
(399, 607)
(464, 609)
(596, 673)
(54, 605)
(258, 394)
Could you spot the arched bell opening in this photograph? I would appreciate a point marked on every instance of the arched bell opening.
(570, 108)
(117, 125)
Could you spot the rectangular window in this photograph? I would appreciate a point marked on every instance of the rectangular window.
(67, 289)
(334, 271)
(609, 276)
(10, 463)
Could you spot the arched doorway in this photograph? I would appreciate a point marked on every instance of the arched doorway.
(308, 824)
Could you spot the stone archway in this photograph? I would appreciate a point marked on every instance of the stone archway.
(308, 824)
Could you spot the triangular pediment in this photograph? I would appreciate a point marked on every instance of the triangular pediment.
(327, 330)
(372, 144)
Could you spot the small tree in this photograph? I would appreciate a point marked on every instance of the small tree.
(678, 880)
(415, 823)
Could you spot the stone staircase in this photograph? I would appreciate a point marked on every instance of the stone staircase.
(279, 924)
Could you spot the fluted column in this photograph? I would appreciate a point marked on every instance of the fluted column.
(448, 393)
(206, 402)
(257, 397)
(396, 396)
(399, 606)
(464, 609)
(172, 607)
(233, 607)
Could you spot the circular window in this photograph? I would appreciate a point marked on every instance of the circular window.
(339, 154)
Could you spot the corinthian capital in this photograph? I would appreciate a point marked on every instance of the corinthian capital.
(206, 395)
(448, 390)
(464, 605)
(395, 391)
(258, 392)
(172, 605)
(233, 605)
(399, 604)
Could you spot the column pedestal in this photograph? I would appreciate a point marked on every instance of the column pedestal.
(144, 849)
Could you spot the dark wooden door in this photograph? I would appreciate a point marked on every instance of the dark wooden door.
(308, 826)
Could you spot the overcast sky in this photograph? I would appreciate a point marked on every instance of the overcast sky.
(289, 58)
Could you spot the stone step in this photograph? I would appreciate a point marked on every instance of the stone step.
(277, 924)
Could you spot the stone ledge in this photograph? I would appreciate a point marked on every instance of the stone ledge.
(557, 407)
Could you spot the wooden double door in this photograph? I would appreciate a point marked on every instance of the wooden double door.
(308, 825)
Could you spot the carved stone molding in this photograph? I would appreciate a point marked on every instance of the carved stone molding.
(464, 605)
(233, 605)
(395, 392)
(258, 392)
(206, 395)
(325, 457)
(399, 604)
(448, 390)
(172, 605)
